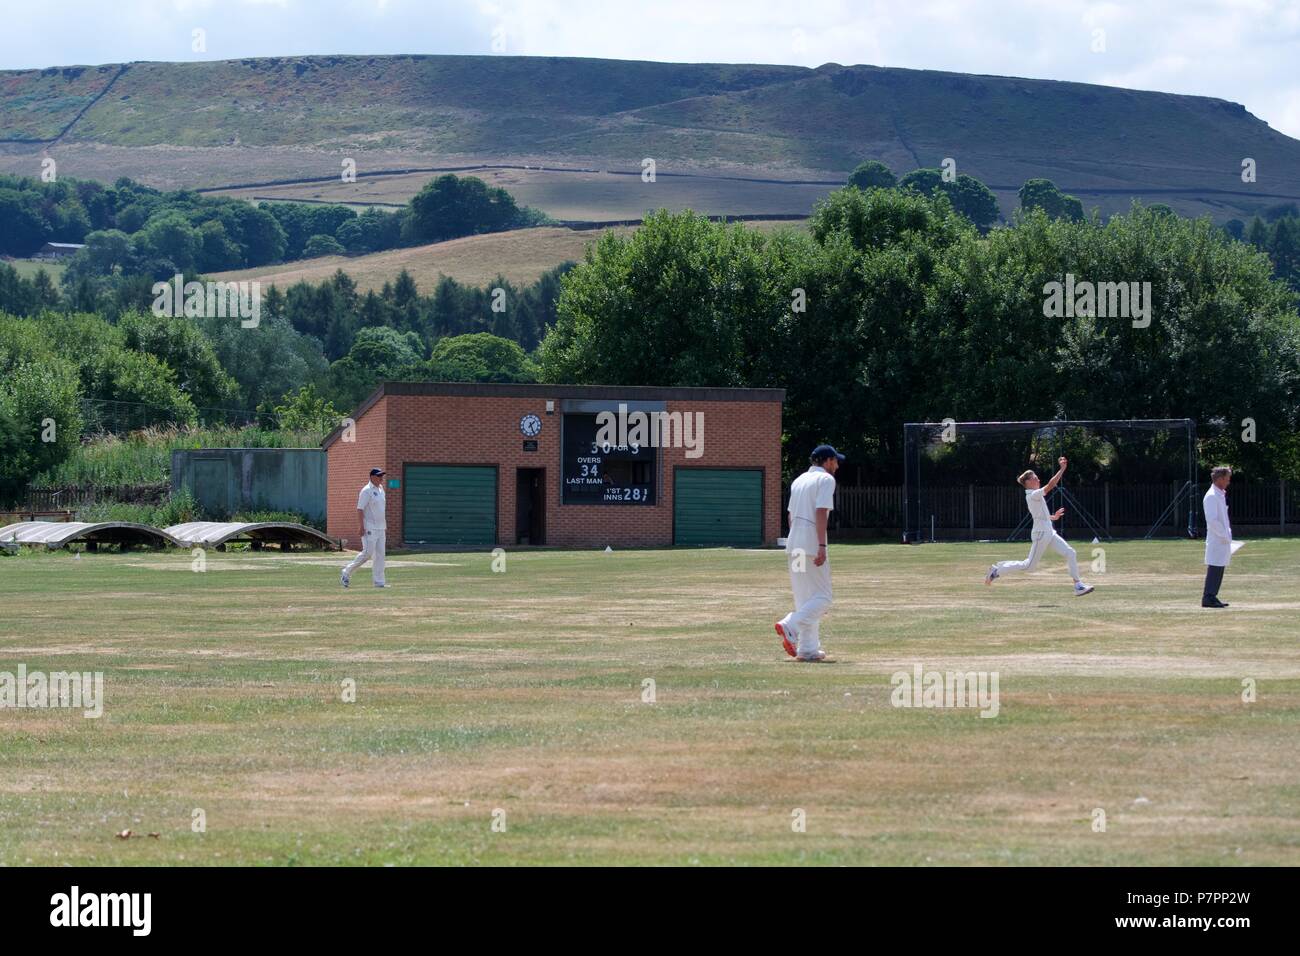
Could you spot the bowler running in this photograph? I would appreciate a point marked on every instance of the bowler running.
(1043, 535)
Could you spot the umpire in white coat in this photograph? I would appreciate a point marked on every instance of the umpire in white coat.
(374, 527)
(812, 498)
(1218, 535)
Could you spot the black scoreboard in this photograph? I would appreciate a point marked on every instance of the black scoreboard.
(604, 474)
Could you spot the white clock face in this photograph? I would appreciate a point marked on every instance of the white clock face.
(530, 425)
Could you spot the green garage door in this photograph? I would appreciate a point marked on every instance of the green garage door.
(718, 506)
(449, 505)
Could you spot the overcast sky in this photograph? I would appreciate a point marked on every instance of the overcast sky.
(1246, 51)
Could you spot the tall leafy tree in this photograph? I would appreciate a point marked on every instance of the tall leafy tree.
(872, 175)
(1043, 194)
(451, 206)
(969, 197)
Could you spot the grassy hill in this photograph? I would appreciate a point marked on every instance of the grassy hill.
(574, 195)
(521, 255)
(236, 122)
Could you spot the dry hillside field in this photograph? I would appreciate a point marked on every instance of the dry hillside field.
(521, 255)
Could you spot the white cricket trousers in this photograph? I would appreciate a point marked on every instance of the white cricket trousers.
(811, 586)
(372, 549)
(1040, 540)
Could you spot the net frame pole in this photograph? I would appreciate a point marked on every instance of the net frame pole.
(911, 485)
(1191, 477)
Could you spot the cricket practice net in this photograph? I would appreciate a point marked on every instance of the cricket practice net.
(1130, 478)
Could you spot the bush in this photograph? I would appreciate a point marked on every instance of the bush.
(177, 509)
(872, 175)
(322, 245)
(144, 456)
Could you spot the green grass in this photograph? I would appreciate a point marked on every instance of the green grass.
(27, 269)
(521, 692)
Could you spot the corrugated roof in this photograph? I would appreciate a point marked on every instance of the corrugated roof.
(56, 534)
(212, 533)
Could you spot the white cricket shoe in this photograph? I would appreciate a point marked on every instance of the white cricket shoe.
(344, 579)
(1080, 589)
(813, 657)
(992, 575)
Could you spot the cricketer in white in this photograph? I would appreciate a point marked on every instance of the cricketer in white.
(812, 498)
(374, 527)
(1043, 535)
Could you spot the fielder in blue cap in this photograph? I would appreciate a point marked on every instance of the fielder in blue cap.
(812, 498)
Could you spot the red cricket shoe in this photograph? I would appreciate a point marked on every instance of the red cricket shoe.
(785, 641)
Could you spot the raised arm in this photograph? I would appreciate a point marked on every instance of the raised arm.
(1056, 478)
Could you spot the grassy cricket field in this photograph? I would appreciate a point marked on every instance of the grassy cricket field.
(518, 698)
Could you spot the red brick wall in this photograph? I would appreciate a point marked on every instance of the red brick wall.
(348, 465)
(456, 430)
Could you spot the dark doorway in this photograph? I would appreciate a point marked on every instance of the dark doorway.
(530, 506)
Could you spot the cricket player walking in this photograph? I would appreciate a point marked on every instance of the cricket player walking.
(374, 526)
(1218, 536)
(812, 498)
(1043, 535)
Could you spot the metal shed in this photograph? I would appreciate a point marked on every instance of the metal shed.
(56, 534)
(226, 481)
(217, 534)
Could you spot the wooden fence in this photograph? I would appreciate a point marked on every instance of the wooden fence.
(73, 496)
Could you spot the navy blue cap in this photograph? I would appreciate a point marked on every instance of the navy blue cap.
(377, 471)
(822, 452)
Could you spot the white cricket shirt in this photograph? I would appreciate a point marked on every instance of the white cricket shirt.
(1037, 502)
(814, 489)
(371, 503)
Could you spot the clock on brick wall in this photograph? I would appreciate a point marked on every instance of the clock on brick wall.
(530, 425)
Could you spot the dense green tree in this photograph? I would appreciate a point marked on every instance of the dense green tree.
(1281, 210)
(872, 175)
(451, 206)
(1258, 233)
(306, 410)
(40, 417)
(1284, 250)
(969, 197)
(17, 295)
(479, 357)
(138, 388)
(257, 231)
(1043, 194)
(662, 306)
(23, 229)
(268, 361)
(172, 238)
(322, 245)
(187, 351)
(906, 313)
(217, 251)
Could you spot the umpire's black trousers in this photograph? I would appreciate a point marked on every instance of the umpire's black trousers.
(1213, 580)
